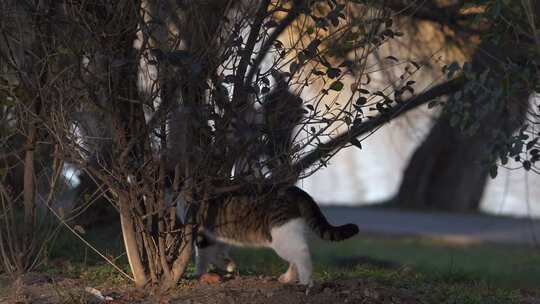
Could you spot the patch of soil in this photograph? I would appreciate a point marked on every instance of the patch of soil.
(247, 289)
(267, 290)
(42, 289)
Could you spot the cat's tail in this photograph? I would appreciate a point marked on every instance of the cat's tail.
(315, 219)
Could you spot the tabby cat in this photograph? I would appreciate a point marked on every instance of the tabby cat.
(276, 219)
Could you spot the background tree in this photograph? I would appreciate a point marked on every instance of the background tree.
(31, 164)
(449, 169)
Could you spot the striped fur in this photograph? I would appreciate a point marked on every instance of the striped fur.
(247, 219)
(311, 212)
(273, 219)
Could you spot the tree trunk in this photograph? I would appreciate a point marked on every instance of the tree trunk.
(29, 194)
(448, 170)
(130, 242)
(445, 172)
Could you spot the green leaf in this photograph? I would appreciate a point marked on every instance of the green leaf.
(451, 69)
(293, 67)
(313, 45)
(532, 143)
(361, 101)
(356, 143)
(363, 91)
(388, 32)
(333, 73)
(493, 171)
(336, 85)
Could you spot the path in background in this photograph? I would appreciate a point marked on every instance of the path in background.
(459, 228)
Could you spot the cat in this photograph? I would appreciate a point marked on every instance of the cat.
(274, 219)
(207, 252)
(215, 253)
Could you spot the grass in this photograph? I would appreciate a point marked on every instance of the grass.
(70, 257)
(432, 271)
(492, 265)
(504, 266)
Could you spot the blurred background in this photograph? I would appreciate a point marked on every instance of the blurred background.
(373, 175)
(416, 120)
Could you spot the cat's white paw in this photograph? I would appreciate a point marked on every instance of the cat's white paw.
(231, 267)
(286, 278)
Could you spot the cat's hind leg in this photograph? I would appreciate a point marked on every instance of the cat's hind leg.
(290, 243)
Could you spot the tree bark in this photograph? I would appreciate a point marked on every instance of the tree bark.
(130, 242)
(448, 170)
(445, 172)
(29, 190)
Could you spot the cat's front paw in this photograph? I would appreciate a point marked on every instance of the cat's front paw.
(231, 267)
(287, 278)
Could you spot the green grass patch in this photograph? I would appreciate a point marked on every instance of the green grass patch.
(431, 271)
(493, 265)
(70, 257)
(505, 266)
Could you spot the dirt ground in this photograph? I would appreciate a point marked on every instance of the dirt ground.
(239, 290)
(39, 289)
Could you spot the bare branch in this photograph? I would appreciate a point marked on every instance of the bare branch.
(254, 33)
(291, 16)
